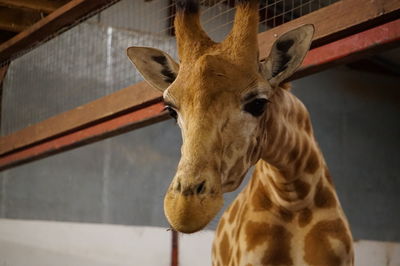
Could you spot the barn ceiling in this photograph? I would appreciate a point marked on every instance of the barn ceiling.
(18, 15)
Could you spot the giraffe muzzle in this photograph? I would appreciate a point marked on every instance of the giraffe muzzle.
(190, 207)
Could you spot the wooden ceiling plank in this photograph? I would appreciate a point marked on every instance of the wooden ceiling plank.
(44, 6)
(15, 20)
(49, 25)
(6, 35)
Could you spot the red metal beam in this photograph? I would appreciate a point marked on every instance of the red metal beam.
(342, 51)
(352, 48)
(118, 125)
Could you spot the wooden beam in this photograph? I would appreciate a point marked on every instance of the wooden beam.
(51, 24)
(122, 101)
(123, 123)
(15, 20)
(352, 48)
(6, 35)
(336, 21)
(45, 6)
(3, 72)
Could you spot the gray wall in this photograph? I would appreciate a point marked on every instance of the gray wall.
(356, 118)
(122, 180)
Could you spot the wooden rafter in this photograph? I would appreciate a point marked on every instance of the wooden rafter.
(6, 35)
(45, 6)
(16, 20)
(49, 25)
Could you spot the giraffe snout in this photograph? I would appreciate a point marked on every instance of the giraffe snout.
(191, 203)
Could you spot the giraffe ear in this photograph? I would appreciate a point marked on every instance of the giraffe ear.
(156, 67)
(287, 54)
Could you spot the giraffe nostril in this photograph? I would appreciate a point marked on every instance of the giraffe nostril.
(178, 186)
(201, 188)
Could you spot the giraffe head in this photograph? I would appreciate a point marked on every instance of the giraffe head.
(218, 94)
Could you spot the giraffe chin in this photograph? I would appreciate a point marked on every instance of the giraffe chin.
(189, 214)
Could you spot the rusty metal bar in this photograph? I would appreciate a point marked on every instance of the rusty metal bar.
(104, 129)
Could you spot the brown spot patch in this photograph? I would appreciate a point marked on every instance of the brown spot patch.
(305, 217)
(228, 151)
(249, 152)
(256, 234)
(277, 239)
(281, 190)
(243, 213)
(225, 250)
(233, 211)
(328, 176)
(223, 167)
(220, 226)
(285, 214)
(214, 252)
(304, 147)
(260, 200)
(215, 166)
(301, 116)
(255, 155)
(237, 168)
(238, 255)
(302, 188)
(307, 126)
(324, 197)
(253, 179)
(295, 151)
(318, 248)
(312, 163)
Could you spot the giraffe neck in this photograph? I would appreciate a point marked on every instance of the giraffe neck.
(289, 213)
(292, 164)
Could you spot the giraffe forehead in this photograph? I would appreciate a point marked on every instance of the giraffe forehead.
(212, 88)
(212, 73)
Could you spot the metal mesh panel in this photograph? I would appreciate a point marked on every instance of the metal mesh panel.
(89, 60)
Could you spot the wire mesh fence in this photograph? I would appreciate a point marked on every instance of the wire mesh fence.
(89, 60)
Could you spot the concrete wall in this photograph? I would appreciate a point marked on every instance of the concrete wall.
(38, 243)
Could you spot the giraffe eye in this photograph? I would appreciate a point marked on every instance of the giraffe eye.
(256, 107)
(171, 112)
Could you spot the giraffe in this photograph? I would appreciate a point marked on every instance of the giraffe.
(235, 112)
